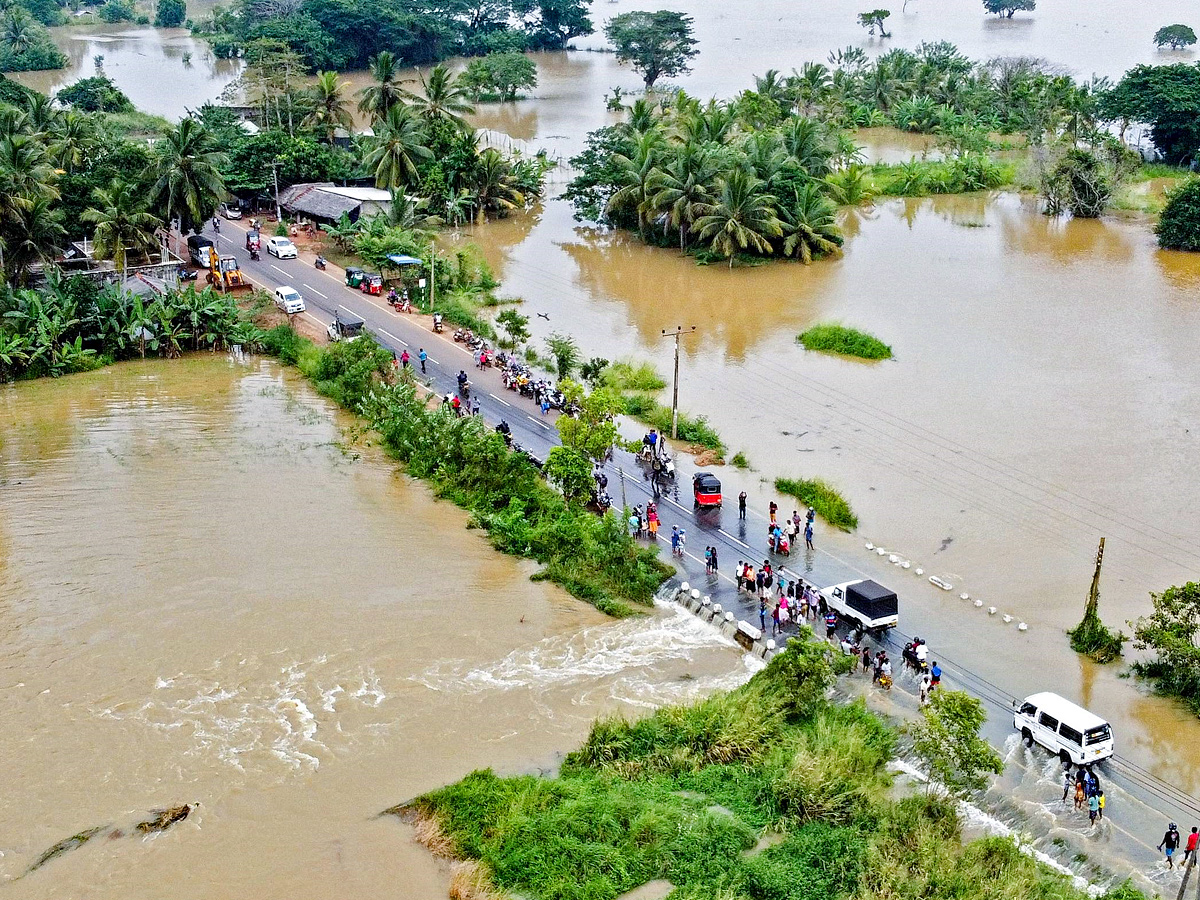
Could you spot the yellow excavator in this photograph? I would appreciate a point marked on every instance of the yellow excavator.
(225, 273)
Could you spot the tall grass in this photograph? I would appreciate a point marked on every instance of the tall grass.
(593, 557)
(629, 375)
(821, 496)
(833, 338)
(692, 429)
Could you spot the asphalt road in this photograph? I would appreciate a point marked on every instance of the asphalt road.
(325, 293)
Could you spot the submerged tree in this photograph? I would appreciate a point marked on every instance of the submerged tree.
(1179, 225)
(1006, 8)
(1172, 633)
(657, 44)
(1174, 36)
(873, 20)
(565, 352)
(1091, 636)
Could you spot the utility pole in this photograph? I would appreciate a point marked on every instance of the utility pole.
(679, 330)
(432, 273)
(275, 175)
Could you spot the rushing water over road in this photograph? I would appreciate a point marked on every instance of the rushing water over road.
(204, 597)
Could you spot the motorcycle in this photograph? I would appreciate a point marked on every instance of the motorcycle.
(254, 254)
(186, 274)
(504, 430)
(462, 335)
(319, 262)
(437, 323)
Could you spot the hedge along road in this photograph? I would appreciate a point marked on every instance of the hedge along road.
(325, 292)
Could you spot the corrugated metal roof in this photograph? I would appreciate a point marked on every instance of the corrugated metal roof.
(316, 200)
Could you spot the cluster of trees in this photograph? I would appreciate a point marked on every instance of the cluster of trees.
(25, 45)
(344, 34)
(707, 179)
(73, 325)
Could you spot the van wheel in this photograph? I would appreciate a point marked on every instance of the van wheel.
(1027, 737)
(1065, 757)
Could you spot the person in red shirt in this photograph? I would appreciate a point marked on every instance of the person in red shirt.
(1193, 839)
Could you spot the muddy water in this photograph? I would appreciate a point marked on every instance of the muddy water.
(148, 64)
(205, 597)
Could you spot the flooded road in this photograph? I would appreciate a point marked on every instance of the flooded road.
(205, 597)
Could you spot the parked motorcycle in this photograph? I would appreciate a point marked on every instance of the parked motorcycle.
(319, 262)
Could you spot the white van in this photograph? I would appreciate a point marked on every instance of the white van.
(1075, 734)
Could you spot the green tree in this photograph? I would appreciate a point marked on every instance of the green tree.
(115, 11)
(385, 90)
(1168, 99)
(873, 20)
(947, 740)
(398, 145)
(122, 223)
(1179, 225)
(800, 676)
(31, 231)
(565, 352)
(332, 109)
(551, 24)
(637, 174)
(810, 222)
(515, 325)
(1006, 8)
(1174, 36)
(1079, 184)
(657, 44)
(495, 189)
(188, 164)
(170, 13)
(742, 218)
(1172, 633)
(442, 98)
(499, 75)
(683, 189)
(571, 472)
(593, 431)
(95, 94)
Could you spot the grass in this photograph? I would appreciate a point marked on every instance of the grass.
(680, 794)
(627, 375)
(593, 557)
(692, 429)
(739, 461)
(926, 177)
(833, 338)
(821, 496)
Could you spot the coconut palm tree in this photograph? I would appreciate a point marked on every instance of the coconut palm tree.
(18, 32)
(398, 144)
(32, 232)
(811, 85)
(72, 140)
(637, 178)
(377, 98)
(683, 189)
(744, 217)
(495, 188)
(122, 223)
(441, 98)
(807, 142)
(849, 186)
(332, 108)
(811, 225)
(188, 182)
(25, 170)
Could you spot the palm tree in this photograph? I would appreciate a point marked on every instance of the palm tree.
(811, 225)
(441, 98)
(850, 187)
(332, 109)
(743, 218)
(26, 171)
(807, 142)
(188, 167)
(765, 155)
(682, 189)
(811, 85)
(637, 178)
(72, 140)
(122, 223)
(398, 144)
(377, 99)
(18, 32)
(411, 214)
(32, 232)
(495, 189)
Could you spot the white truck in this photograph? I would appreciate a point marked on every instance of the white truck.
(864, 603)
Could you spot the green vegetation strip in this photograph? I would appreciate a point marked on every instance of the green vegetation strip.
(591, 556)
(692, 429)
(829, 338)
(686, 794)
(821, 496)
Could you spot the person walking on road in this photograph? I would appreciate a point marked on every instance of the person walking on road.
(1189, 852)
(762, 615)
(1093, 805)
(773, 509)
(1100, 803)
(404, 359)
(808, 536)
(422, 356)
(831, 621)
(1068, 784)
(742, 506)
(1170, 843)
(714, 560)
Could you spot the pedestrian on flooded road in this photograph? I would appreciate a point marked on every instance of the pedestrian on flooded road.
(422, 356)
(935, 673)
(714, 560)
(708, 560)
(1100, 803)
(1193, 840)
(742, 505)
(1170, 843)
(866, 662)
(774, 619)
(762, 615)
(925, 686)
(759, 579)
(773, 509)
(877, 666)
(831, 622)
(808, 536)
(1093, 808)
(1068, 784)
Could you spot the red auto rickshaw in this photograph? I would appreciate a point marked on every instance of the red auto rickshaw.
(706, 489)
(253, 240)
(371, 284)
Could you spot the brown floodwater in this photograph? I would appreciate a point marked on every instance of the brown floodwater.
(207, 595)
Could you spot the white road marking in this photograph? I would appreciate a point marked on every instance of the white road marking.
(536, 422)
(498, 400)
(393, 337)
(279, 270)
(732, 538)
(314, 318)
(314, 290)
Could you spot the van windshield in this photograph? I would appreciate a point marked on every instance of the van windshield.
(1098, 734)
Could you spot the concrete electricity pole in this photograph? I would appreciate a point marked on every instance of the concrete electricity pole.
(679, 330)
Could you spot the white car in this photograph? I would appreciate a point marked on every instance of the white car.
(230, 211)
(282, 248)
(289, 300)
(1076, 735)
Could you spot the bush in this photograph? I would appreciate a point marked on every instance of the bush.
(117, 11)
(95, 94)
(1170, 632)
(170, 13)
(830, 338)
(628, 375)
(692, 429)
(38, 55)
(823, 497)
(1179, 225)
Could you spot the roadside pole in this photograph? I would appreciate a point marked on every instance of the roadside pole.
(679, 329)
(275, 176)
(1186, 874)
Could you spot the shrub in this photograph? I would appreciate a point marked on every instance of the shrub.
(1179, 225)
(692, 429)
(170, 13)
(117, 11)
(832, 338)
(629, 375)
(95, 94)
(821, 496)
